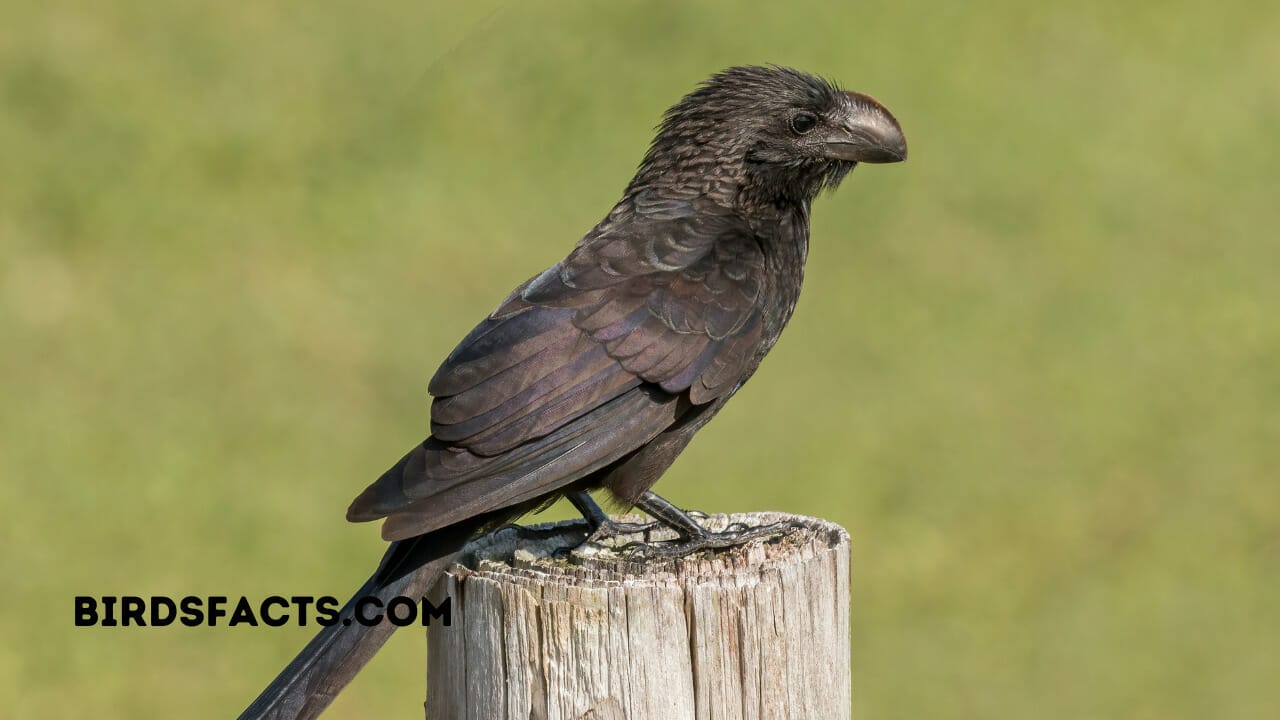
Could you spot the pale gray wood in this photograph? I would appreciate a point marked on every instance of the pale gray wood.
(759, 632)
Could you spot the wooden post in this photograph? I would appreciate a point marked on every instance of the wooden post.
(753, 633)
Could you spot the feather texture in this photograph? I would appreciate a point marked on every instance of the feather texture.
(637, 318)
(598, 371)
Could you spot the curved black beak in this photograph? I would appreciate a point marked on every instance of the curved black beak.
(869, 134)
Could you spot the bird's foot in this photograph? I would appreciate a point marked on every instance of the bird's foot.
(604, 528)
(733, 536)
(690, 535)
(609, 529)
(608, 536)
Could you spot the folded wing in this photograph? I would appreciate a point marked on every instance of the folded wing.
(582, 365)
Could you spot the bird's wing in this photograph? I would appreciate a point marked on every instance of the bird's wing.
(582, 365)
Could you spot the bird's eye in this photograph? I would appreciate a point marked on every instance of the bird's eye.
(803, 122)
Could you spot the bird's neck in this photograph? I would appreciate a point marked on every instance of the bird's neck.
(786, 245)
(692, 177)
(779, 219)
(781, 191)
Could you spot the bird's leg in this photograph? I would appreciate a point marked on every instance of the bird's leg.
(692, 536)
(602, 526)
(664, 511)
(695, 537)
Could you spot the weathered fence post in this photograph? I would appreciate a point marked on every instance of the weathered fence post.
(757, 632)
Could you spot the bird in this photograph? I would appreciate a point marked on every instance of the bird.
(595, 374)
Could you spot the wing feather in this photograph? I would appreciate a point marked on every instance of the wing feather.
(583, 364)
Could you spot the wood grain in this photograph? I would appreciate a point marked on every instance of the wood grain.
(757, 632)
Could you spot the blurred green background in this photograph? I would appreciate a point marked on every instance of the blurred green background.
(1035, 372)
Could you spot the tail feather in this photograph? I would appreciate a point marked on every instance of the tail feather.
(333, 657)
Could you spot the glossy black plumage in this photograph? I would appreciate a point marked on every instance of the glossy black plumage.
(597, 372)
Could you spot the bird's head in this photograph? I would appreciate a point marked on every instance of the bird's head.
(773, 132)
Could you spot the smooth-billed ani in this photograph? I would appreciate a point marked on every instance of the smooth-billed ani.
(597, 372)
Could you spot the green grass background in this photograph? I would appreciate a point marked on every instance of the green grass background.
(1035, 371)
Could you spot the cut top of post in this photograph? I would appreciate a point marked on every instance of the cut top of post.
(543, 630)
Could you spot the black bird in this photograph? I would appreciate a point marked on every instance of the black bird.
(597, 372)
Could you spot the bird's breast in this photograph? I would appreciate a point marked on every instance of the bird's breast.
(785, 251)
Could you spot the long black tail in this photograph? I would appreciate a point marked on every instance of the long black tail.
(334, 656)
